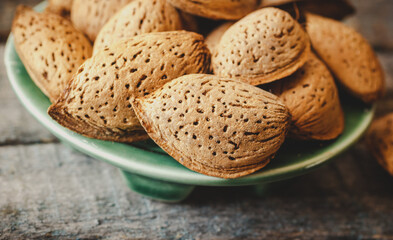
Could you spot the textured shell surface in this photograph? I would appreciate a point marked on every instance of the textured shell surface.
(217, 9)
(139, 16)
(215, 126)
(262, 47)
(379, 140)
(312, 98)
(89, 16)
(50, 48)
(348, 55)
(96, 102)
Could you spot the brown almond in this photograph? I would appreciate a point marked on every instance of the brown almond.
(215, 126)
(312, 99)
(189, 22)
(96, 103)
(60, 7)
(264, 46)
(379, 140)
(139, 16)
(50, 48)
(270, 3)
(89, 16)
(214, 36)
(349, 56)
(217, 9)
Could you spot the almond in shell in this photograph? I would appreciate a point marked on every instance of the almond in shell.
(215, 126)
(379, 140)
(50, 48)
(270, 3)
(217, 9)
(264, 46)
(312, 99)
(214, 36)
(349, 56)
(139, 16)
(60, 7)
(89, 16)
(96, 103)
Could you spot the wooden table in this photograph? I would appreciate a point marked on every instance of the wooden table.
(48, 191)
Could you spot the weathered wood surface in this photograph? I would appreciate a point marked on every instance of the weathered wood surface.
(7, 9)
(48, 191)
(16, 124)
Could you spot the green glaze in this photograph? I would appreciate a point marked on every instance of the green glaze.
(150, 171)
(157, 189)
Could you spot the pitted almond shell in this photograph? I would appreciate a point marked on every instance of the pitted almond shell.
(89, 16)
(379, 140)
(139, 16)
(217, 9)
(349, 56)
(60, 7)
(264, 46)
(312, 99)
(215, 126)
(50, 48)
(96, 103)
(214, 36)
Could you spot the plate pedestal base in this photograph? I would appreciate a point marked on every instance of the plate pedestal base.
(157, 189)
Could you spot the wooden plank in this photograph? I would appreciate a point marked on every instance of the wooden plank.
(7, 10)
(50, 191)
(17, 126)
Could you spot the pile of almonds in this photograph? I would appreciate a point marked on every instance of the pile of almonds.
(220, 104)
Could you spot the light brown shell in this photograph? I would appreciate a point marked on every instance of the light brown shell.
(217, 9)
(379, 140)
(336, 9)
(214, 36)
(60, 7)
(270, 3)
(189, 22)
(89, 16)
(96, 103)
(139, 16)
(349, 56)
(312, 99)
(264, 46)
(215, 126)
(50, 48)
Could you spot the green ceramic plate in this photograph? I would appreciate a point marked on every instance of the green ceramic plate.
(150, 171)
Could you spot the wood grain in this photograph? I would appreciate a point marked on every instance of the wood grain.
(7, 10)
(17, 126)
(50, 191)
